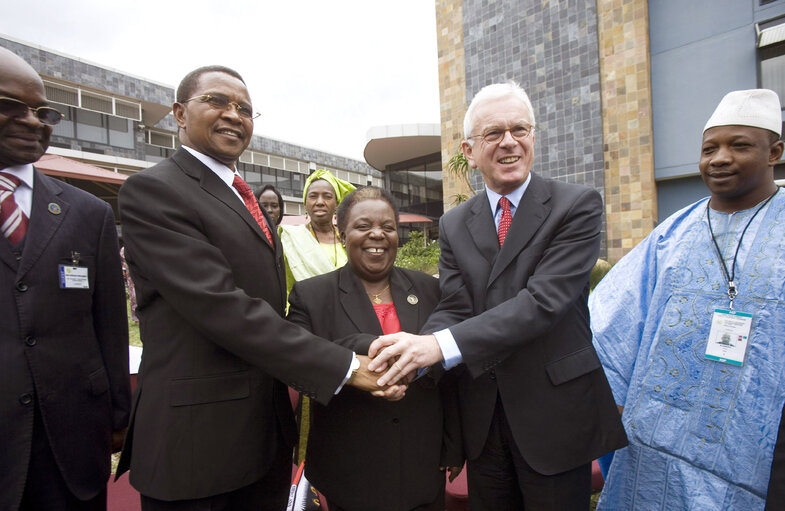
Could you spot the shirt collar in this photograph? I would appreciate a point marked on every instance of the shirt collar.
(222, 171)
(23, 172)
(514, 197)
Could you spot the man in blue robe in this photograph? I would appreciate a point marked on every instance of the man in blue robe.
(692, 341)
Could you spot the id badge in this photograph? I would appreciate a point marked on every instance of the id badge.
(729, 336)
(73, 277)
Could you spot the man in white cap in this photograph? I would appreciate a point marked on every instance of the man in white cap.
(689, 324)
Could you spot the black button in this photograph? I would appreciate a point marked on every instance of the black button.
(18, 256)
(493, 374)
(26, 399)
(396, 420)
(21, 287)
(30, 341)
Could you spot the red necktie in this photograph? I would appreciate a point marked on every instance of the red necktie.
(506, 219)
(13, 221)
(252, 205)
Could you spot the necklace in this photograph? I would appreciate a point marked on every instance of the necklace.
(377, 297)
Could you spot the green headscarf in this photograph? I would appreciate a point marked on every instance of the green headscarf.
(342, 188)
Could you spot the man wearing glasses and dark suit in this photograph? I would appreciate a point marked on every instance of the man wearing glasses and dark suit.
(64, 385)
(211, 424)
(535, 405)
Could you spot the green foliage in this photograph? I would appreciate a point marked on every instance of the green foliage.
(416, 254)
(601, 268)
(458, 166)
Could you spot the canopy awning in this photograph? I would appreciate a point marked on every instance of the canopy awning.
(60, 166)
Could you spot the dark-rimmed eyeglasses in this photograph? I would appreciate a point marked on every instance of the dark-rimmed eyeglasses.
(495, 134)
(11, 107)
(221, 102)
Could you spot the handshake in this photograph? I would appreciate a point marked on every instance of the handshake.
(398, 356)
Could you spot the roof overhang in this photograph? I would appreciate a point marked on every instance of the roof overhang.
(388, 145)
(60, 166)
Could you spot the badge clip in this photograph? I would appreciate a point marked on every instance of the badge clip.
(75, 257)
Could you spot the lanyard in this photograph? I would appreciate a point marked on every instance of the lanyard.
(730, 277)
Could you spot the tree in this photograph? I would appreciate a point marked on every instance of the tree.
(458, 166)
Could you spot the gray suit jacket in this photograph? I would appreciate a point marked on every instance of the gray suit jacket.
(65, 348)
(520, 319)
(208, 412)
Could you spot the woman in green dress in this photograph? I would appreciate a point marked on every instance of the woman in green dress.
(315, 248)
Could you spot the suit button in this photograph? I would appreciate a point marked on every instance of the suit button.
(492, 374)
(396, 420)
(30, 341)
(21, 287)
(26, 399)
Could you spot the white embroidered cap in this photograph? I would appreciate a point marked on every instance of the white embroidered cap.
(759, 108)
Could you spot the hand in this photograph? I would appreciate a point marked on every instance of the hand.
(412, 352)
(118, 435)
(365, 379)
(454, 471)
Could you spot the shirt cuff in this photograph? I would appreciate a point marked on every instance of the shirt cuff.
(355, 365)
(450, 352)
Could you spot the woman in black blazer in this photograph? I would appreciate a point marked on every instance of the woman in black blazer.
(366, 453)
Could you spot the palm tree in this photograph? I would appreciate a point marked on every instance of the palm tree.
(458, 166)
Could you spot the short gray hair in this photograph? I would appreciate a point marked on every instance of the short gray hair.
(494, 91)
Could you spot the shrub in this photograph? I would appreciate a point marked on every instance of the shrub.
(416, 254)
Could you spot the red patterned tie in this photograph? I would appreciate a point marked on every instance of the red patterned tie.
(506, 219)
(252, 205)
(13, 221)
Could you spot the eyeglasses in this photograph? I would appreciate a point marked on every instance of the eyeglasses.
(11, 107)
(221, 102)
(495, 134)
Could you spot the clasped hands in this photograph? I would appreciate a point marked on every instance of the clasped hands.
(398, 356)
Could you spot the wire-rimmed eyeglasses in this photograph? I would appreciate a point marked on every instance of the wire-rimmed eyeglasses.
(495, 134)
(221, 102)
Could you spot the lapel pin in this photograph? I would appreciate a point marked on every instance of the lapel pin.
(55, 209)
(412, 299)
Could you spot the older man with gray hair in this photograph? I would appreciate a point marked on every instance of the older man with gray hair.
(513, 322)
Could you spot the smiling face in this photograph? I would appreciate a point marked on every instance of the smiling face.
(220, 134)
(320, 202)
(22, 139)
(371, 239)
(737, 165)
(505, 164)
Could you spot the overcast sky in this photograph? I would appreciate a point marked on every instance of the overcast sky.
(320, 72)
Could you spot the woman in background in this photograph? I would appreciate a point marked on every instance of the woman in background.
(314, 248)
(270, 200)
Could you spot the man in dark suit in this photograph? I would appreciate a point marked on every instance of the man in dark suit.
(514, 273)
(64, 385)
(211, 426)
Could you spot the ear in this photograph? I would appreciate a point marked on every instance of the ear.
(178, 111)
(343, 239)
(466, 147)
(775, 152)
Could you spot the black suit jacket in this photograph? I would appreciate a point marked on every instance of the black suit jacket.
(527, 335)
(66, 349)
(208, 414)
(364, 452)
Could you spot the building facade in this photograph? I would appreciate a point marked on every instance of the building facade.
(124, 124)
(621, 89)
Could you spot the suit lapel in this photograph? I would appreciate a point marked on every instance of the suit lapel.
(356, 304)
(403, 295)
(213, 185)
(529, 216)
(482, 228)
(43, 224)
